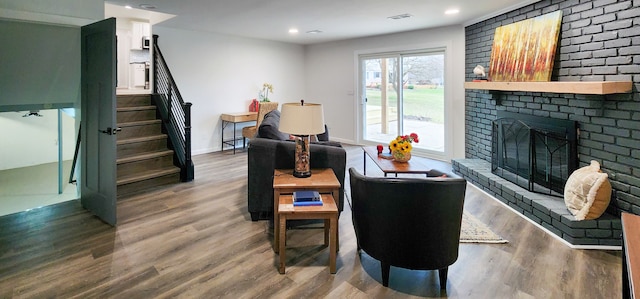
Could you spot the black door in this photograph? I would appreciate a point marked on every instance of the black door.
(98, 120)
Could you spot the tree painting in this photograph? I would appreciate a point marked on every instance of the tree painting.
(524, 51)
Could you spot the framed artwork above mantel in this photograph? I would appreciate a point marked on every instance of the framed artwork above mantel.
(524, 51)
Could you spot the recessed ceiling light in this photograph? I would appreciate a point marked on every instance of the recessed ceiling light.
(314, 31)
(451, 11)
(128, 7)
(398, 17)
(293, 30)
(147, 6)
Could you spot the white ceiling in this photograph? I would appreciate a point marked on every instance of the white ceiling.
(337, 19)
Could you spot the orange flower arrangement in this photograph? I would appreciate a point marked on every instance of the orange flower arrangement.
(401, 147)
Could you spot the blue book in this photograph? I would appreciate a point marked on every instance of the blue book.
(307, 203)
(303, 196)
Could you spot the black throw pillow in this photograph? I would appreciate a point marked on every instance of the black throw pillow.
(324, 136)
(269, 127)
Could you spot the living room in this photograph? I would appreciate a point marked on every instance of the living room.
(305, 72)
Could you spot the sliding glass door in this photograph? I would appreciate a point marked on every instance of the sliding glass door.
(403, 93)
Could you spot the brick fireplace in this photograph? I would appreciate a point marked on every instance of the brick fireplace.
(599, 41)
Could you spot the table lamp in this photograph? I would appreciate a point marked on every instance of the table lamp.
(301, 120)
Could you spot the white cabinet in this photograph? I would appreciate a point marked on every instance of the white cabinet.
(123, 72)
(139, 30)
(138, 74)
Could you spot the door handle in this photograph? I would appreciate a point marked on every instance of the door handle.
(111, 131)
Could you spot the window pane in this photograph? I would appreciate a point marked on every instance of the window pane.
(381, 113)
(423, 99)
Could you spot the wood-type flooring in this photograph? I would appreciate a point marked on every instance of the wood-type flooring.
(196, 240)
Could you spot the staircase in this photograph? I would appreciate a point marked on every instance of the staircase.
(144, 159)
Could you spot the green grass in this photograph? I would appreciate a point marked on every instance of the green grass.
(418, 102)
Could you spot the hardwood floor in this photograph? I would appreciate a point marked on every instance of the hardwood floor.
(196, 240)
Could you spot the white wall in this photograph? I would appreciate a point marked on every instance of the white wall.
(221, 74)
(40, 68)
(68, 12)
(40, 64)
(331, 77)
(35, 139)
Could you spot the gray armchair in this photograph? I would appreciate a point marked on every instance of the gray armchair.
(412, 223)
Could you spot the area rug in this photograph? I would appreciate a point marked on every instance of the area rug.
(474, 231)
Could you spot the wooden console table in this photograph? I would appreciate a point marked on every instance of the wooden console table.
(630, 255)
(235, 118)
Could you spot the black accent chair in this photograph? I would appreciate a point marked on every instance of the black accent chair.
(412, 223)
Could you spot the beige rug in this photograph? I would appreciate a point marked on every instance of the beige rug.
(474, 231)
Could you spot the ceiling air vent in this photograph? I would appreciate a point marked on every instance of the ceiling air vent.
(398, 17)
(147, 6)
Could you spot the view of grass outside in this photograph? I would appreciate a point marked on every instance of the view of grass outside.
(422, 76)
(421, 102)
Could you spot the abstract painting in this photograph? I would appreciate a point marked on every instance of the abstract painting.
(524, 51)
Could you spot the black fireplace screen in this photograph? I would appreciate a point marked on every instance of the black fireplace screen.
(537, 153)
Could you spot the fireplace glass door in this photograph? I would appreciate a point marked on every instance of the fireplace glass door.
(534, 152)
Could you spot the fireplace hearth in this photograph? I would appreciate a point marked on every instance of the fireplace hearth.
(547, 211)
(536, 153)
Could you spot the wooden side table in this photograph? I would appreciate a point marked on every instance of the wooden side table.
(284, 184)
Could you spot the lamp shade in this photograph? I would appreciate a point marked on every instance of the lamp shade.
(301, 119)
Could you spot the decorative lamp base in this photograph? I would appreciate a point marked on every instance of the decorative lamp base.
(301, 174)
(302, 167)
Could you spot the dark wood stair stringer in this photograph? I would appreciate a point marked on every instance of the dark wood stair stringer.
(144, 158)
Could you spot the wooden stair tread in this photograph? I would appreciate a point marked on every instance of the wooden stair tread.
(140, 123)
(145, 160)
(141, 139)
(133, 95)
(144, 156)
(135, 108)
(149, 174)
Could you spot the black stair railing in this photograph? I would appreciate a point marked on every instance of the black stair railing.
(75, 157)
(175, 113)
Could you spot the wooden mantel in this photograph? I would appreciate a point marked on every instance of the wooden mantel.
(576, 87)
